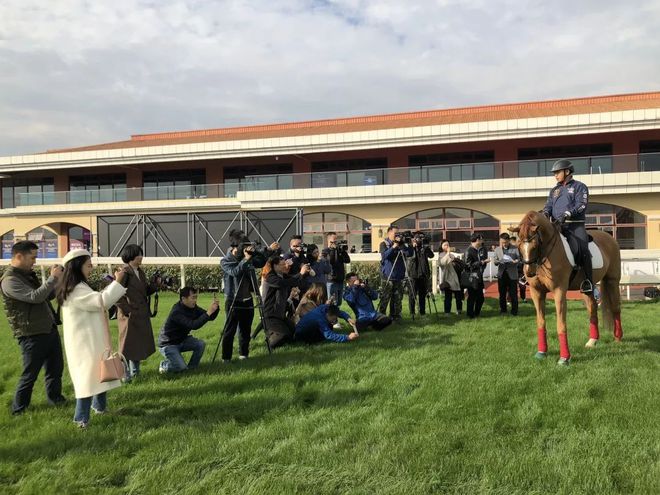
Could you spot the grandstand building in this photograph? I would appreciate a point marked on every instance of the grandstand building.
(446, 172)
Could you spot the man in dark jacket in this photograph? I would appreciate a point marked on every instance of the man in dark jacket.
(476, 258)
(360, 297)
(392, 272)
(337, 256)
(419, 271)
(507, 260)
(240, 281)
(316, 326)
(32, 320)
(175, 337)
(567, 204)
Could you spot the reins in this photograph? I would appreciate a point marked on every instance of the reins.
(544, 258)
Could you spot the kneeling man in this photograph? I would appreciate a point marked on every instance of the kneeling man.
(360, 297)
(316, 326)
(175, 335)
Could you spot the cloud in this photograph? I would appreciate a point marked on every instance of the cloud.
(76, 72)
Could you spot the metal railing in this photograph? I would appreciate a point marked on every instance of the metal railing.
(591, 165)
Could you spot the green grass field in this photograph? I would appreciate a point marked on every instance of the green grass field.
(441, 405)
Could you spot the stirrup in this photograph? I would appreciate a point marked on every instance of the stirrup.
(586, 287)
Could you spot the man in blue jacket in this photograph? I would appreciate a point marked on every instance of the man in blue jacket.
(175, 337)
(392, 272)
(360, 297)
(316, 326)
(567, 204)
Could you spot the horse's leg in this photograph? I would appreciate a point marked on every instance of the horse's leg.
(592, 309)
(560, 306)
(539, 303)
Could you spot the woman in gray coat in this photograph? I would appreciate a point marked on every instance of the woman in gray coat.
(449, 281)
(136, 337)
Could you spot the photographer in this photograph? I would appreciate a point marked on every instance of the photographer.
(449, 277)
(320, 267)
(175, 338)
(32, 319)
(296, 254)
(316, 326)
(278, 287)
(507, 260)
(393, 252)
(476, 258)
(239, 282)
(419, 270)
(360, 297)
(136, 337)
(337, 255)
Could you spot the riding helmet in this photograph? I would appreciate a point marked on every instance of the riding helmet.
(562, 165)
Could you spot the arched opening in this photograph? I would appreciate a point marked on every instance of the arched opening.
(46, 239)
(355, 230)
(79, 238)
(628, 227)
(454, 224)
(7, 243)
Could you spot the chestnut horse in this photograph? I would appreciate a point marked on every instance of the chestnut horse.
(547, 269)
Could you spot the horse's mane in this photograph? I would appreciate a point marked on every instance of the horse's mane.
(529, 221)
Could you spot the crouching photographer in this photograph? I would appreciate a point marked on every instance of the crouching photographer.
(175, 338)
(360, 297)
(419, 270)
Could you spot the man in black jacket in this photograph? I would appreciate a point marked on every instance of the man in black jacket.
(476, 259)
(337, 256)
(419, 271)
(32, 319)
(175, 335)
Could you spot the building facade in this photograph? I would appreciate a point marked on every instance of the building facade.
(446, 172)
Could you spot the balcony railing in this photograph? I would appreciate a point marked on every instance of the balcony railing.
(591, 165)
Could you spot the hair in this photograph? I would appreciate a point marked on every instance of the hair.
(236, 237)
(311, 248)
(187, 291)
(130, 252)
(316, 293)
(444, 240)
(352, 274)
(333, 310)
(23, 247)
(71, 277)
(476, 237)
(296, 237)
(328, 234)
(391, 228)
(506, 236)
(272, 261)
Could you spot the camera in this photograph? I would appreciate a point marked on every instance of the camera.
(342, 244)
(422, 239)
(165, 281)
(403, 237)
(250, 246)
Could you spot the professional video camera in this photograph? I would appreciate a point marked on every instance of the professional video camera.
(422, 239)
(165, 281)
(342, 244)
(250, 246)
(404, 237)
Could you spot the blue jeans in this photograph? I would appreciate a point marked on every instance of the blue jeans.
(336, 289)
(174, 360)
(99, 402)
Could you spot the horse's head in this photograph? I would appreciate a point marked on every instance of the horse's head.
(532, 231)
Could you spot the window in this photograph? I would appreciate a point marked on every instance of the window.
(257, 178)
(343, 173)
(586, 158)
(175, 184)
(97, 188)
(46, 239)
(7, 243)
(444, 167)
(80, 238)
(628, 227)
(25, 192)
(353, 229)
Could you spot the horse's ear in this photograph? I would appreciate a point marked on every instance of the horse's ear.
(515, 229)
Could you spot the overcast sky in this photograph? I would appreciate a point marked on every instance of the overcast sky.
(79, 72)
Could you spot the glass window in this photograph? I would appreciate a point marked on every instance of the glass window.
(528, 169)
(601, 165)
(439, 174)
(484, 171)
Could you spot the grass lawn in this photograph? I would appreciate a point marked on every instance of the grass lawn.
(438, 405)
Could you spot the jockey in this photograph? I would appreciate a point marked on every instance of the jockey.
(567, 203)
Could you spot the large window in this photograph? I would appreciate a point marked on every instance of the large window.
(627, 226)
(258, 178)
(80, 238)
(343, 173)
(649, 158)
(353, 229)
(454, 224)
(586, 158)
(7, 243)
(46, 239)
(25, 192)
(443, 167)
(175, 184)
(97, 188)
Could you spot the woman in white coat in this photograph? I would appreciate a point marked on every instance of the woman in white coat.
(85, 340)
(449, 282)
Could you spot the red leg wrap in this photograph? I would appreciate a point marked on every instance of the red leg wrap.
(618, 330)
(543, 340)
(593, 328)
(563, 346)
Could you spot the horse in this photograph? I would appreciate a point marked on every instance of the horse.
(547, 269)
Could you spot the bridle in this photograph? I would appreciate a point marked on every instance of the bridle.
(542, 258)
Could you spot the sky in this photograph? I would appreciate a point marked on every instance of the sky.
(81, 72)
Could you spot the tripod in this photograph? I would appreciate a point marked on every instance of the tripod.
(406, 280)
(260, 307)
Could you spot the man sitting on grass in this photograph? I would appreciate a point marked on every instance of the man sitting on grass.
(316, 326)
(360, 297)
(175, 335)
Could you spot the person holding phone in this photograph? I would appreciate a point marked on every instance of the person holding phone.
(175, 338)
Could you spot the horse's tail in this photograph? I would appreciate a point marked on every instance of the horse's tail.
(610, 294)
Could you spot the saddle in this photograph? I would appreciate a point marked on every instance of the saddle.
(594, 250)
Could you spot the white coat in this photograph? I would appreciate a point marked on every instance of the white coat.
(84, 336)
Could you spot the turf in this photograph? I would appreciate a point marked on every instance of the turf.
(438, 405)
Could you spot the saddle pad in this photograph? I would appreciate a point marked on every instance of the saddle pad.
(596, 255)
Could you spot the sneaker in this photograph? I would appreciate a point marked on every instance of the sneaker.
(336, 326)
(99, 411)
(226, 361)
(242, 358)
(162, 367)
(81, 424)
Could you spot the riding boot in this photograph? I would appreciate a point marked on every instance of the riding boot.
(587, 285)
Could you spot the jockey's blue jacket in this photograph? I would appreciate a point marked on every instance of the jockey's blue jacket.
(572, 197)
